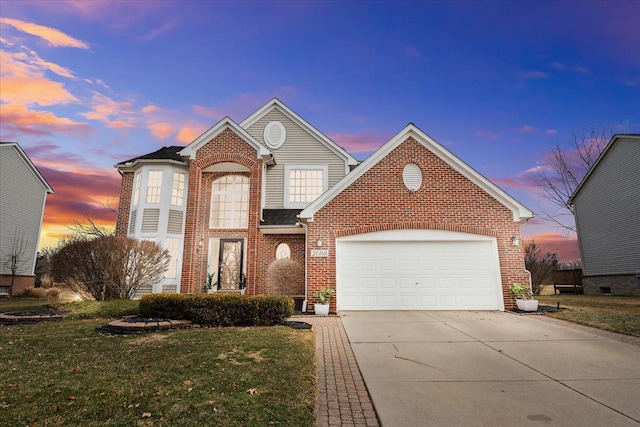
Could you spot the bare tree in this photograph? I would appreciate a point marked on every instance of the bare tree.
(540, 265)
(17, 257)
(89, 229)
(564, 170)
(109, 267)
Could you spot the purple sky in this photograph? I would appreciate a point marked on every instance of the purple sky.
(86, 84)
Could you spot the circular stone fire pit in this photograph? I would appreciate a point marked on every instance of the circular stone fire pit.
(136, 324)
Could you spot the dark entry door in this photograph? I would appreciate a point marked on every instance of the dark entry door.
(230, 265)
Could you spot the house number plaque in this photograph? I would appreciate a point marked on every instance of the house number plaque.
(315, 253)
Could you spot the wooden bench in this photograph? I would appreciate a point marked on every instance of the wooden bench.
(559, 288)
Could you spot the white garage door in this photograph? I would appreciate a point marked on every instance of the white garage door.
(441, 271)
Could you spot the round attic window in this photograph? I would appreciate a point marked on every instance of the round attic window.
(275, 134)
(412, 177)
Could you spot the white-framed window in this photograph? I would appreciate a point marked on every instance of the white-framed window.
(154, 186)
(177, 190)
(283, 251)
(136, 189)
(229, 202)
(173, 246)
(303, 184)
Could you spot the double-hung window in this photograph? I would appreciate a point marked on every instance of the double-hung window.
(229, 202)
(177, 190)
(154, 185)
(136, 189)
(303, 184)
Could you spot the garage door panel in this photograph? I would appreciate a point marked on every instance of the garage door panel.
(387, 282)
(442, 275)
(389, 301)
(407, 283)
(368, 283)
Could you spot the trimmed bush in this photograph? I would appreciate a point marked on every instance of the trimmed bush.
(219, 309)
(34, 293)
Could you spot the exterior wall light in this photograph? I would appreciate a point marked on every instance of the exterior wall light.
(515, 241)
(319, 241)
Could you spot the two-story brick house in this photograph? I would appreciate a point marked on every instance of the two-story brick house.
(411, 227)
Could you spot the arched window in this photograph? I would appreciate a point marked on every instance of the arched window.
(283, 251)
(229, 202)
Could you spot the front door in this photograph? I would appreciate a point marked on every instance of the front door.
(230, 264)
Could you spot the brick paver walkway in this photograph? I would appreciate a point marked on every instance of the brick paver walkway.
(342, 399)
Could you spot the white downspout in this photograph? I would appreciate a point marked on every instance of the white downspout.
(306, 283)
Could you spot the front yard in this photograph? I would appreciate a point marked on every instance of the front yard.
(611, 313)
(66, 373)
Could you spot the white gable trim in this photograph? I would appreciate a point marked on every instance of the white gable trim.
(276, 103)
(191, 149)
(595, 166)
(520, 212)
(29, 164)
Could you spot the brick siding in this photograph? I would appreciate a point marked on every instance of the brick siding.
(379, 201)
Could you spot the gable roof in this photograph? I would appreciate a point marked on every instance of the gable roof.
(226, 123)
(605, 152)
(276, 103)
(29, 164)
(520, 212)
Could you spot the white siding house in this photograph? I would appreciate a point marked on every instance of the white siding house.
(607, 213)
(23, 193)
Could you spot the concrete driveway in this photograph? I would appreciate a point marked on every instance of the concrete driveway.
(455, 368)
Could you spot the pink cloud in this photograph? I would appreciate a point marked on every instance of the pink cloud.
(526, 129)
(52, 36)
(486, 134)
(208, 112)
(165, 28)
(354, 143)
(161, 130)
(551, 132)
(115, 114)
(19, 119)
(190, 131)
(525, 180)
(533, 75)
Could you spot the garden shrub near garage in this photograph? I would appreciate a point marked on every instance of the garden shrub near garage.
(219, 309)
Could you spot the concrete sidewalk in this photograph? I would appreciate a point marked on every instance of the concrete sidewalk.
(493, 369)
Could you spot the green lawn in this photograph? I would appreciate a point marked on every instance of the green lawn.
(66, 373)
(611, 313)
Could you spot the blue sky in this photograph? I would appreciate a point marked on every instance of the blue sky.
(86, 84)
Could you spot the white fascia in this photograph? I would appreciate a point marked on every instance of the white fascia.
(276, 103)
(191, 149)
(520, 212)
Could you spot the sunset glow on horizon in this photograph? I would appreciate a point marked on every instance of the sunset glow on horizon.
(85, 85)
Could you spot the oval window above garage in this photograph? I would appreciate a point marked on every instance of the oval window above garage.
(274, 134)
(412, 177)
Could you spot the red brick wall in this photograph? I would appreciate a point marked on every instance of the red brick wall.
(226, 147)
(267, 255)
(124, 204)
(447, 200)
(20, 283)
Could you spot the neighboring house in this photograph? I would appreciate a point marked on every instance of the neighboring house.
(412, 227)
(607, 213)
(23, 192)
